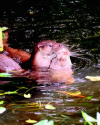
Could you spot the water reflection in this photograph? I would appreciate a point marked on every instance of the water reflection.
(51, 77)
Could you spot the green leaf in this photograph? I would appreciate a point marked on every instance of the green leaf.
(49, 107)
(5, 75)
(12, 92)
(45, 122)
(3, 35)
(1, 102)
(89, 97)
(4, 28)
(2, 109)
(98, 118)
(51, 122)
(65, 116)
(88, 118)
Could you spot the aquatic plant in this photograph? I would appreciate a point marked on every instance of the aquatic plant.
(88, 119)
(2, 36)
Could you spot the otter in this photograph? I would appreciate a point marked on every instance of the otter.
(61, 66)
(62, 59)
(8, 64)
(44, 52)
(18, 55)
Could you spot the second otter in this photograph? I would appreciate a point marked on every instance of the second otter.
(61, 67)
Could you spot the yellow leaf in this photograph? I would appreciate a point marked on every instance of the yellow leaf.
(1, 43)
(32, 12)
(93, 78)
(1, 48)
(27, 95)
(30, 121)
(72, 93)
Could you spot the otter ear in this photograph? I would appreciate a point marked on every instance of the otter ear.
(40, 47)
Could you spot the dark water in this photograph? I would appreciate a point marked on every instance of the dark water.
(76, 23)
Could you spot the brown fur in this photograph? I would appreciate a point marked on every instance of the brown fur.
(8, 64)
(62, 59)
(18, 55)
(44, 53)
(61, 66)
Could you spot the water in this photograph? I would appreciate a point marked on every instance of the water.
(76, 23)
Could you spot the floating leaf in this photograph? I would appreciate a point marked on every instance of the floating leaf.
(65, 116)
(30, 121)
(45, 122)
(2, 109)
(1, 102)
(11, 92)
(88, 118)
(98, 118)
(40, 105)
(5, 75)
(4, 28)
(23, 87)
(1, 42)
(89, 97)
(27, 95)
(72, 93)
(32, 12)
(93, 78)
(49, 107)
(51, 122)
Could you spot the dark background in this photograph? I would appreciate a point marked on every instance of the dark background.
(63, 20)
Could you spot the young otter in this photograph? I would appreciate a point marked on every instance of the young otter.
(18, 55)
(61, 66)
(8, 64)
(45, 51)
(62, 59)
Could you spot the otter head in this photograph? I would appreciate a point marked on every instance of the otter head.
(47, 47)
(63, 53)
(63, 57)
(45, 51)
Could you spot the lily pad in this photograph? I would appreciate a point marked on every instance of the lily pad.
(2, 109)
(88, 118)
(93, 78)
(49, 107)
(45, 122)
(27, 95)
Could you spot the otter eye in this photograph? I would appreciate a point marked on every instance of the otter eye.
(51, 45)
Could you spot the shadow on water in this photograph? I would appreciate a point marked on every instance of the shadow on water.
(76, 23)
